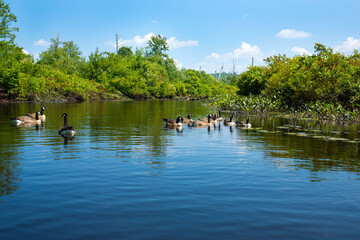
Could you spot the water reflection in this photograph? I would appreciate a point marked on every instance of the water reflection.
(9, 175)
(177, 128)
(133, 132)
(67, 139)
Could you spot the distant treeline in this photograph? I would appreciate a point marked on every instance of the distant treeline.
(62, 73)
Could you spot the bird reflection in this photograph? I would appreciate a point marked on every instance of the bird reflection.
(178, 128)
(67, 139)
(26, 125)
(231, 129)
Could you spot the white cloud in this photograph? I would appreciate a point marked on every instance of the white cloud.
(26, 52)
(348, 46)
(241, 56)
(42, 43)
(139, 41)
(178, 64)
(292, 33)
(300, 51)
(154, 21)
(175, 43)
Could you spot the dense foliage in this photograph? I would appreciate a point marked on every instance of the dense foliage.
(62, 73)
(323, 85)
(324, 76)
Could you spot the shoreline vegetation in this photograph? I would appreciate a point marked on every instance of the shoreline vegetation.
(325, 85)
(62, 73)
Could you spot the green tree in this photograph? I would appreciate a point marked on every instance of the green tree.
(7, 34)
(252, 81)
(72, 50)
(55, 52)
(10, 54)
(6, 19)
(125, 51)
(64, 56)
(157, 46)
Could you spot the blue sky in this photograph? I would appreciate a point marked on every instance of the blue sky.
(201, 33)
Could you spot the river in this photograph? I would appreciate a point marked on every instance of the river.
(126, 176)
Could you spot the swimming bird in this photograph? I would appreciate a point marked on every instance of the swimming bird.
(205, 119)
(219, 118)
(172, 122)
(202, 123)
(66, 131)
(229, 122)
(213, 119)
(26, 119)
(42, 116)
(188, 119)
(245, 124)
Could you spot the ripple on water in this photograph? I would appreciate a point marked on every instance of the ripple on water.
(134, 179)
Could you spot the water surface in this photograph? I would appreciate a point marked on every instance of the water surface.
(126, 176)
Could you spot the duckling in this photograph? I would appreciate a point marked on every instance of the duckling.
(188, 119)
(66, 131)
(245, 124)
(229, 122)
(42, 116)
(171, 122)
(26, 119)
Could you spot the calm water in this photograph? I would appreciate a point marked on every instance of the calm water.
(125, 176)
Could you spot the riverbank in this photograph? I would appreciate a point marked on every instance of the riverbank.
(106, 96)
(259, 105)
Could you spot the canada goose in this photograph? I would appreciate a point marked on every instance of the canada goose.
(219, 118)
(42, 116)
(245, 124)
(205, 119)
(188, 119)
(67, 131)
(213, 119)
(202, 123)
(172, 122)
(26, 119)
(229, 122)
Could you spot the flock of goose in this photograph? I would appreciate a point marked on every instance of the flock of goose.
(39, 117)
(211, 119)
(69, 131)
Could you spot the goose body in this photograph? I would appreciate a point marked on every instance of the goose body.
(213, 119)
(205, 119)
(219, 118)
(202, 123)
(172, 122)
(245, 124)
(26, 119)
(42, 116)
(67, 131)
(229, 122)
(188, 120)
